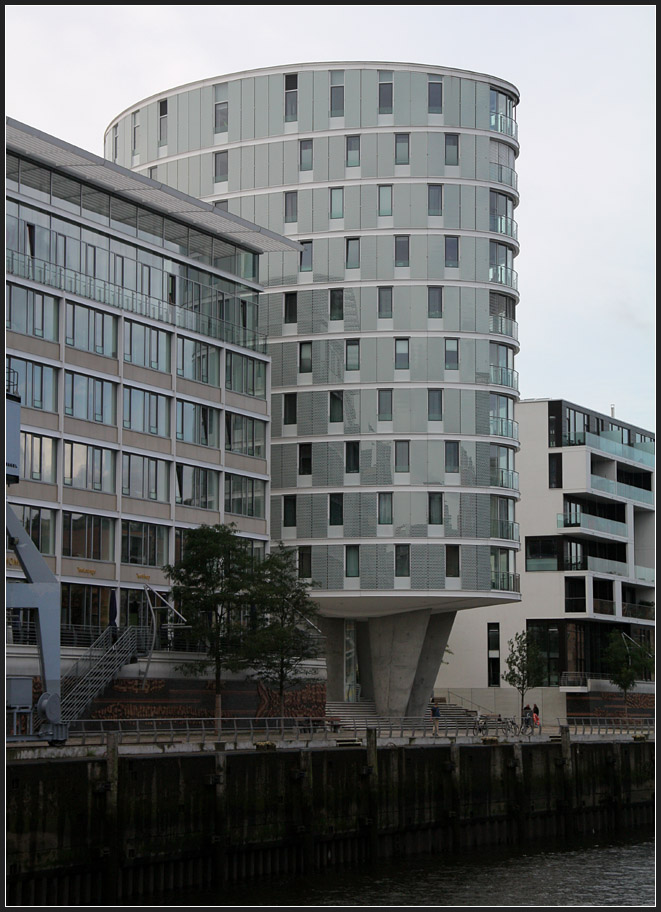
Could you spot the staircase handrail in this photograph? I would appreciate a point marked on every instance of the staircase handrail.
(478, 707)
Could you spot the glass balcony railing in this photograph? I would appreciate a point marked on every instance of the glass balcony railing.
(503, 275)
(504, 478)
(577, 519)
(644, 574)
(505, 582)
(642, 453)
(504, 376)
(645, 612)
(103, 292)
(601, 565)
(503, 326)
(502, 528)
(599, 483)
(603, 606)
(501, 123)
(503, 225)
(503, 427)
(503, 175)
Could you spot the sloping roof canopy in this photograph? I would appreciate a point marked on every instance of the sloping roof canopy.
(48, 150)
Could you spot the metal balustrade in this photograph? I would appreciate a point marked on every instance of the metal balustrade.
(598, 725)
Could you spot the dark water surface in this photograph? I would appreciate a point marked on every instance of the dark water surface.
(590, 872)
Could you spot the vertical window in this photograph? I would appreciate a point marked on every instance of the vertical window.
(435, 302)
(452, 567)
(353, 152)
(163, 122)
(289, 408)
(115, 143)
(289, 510)
(451, 148)
(434, 199)
(337, 93)
(402, 560)
(220, 110)
(336, 202)
(385, 303)
(452, 354)
(555, 470)
(435, 95)
(352, 362)
(291, 307)
(291, 97)
(305, 155)
(336, 509)
(384, 405)
(402, 456)
(336, 406)
(306, 257)
(385, 509)
(353, 253)
(291, 206)
(435, 405)
(401, 354)
(401, 148)
(402, 250)
(493, 654)
(305, 357)
(305, 562)
(452, 251)
(220, 167)
(336, 308)
(435, 509)
(385, 92)
(352, 457)
(385, 199)
(135, 131)
(352, 561)
(305, 459)
(452, 456)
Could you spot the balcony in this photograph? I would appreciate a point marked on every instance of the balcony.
(501, 528)
(644, 574)
(598, 565)
(505, 582)
(577, 519)
(503, 275)
(607, 485)
(642, 453)
(500, 123)
(103, 292)
(504, 478)
(504, 376)
(503, 175)
(503, 427)
(644, 611)
(503, 225)
(503, 326)
(603, 606)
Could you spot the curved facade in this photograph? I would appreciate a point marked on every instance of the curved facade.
(393, 335)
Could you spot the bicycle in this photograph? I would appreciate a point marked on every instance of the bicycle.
(527, 725)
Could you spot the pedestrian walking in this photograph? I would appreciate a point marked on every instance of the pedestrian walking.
(435, 717)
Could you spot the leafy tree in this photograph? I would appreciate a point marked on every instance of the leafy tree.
(285, 635)
(525, 664)
(213, 585)
(627, 663)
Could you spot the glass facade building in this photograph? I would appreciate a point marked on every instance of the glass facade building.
(392, 331)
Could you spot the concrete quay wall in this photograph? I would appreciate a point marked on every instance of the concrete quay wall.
(107, 827)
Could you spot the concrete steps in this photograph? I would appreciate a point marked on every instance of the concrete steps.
(365, 711)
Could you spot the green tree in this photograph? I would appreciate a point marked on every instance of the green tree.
(627, 663)
(285, 633)
(525, 664)
(213, 585)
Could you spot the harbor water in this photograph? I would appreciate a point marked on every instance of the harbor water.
(586, 872)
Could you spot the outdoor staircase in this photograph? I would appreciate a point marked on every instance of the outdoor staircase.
(364, 712)
(95, 670)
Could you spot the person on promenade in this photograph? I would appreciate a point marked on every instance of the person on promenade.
(435, 717)
(535, 717)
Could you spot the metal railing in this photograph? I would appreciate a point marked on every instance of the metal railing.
(596, 725)
(503, 326)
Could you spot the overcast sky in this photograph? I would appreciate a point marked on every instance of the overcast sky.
(586, 75)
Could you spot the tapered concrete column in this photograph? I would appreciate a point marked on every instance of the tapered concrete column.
(431, 656)
(396, 644)
(333, 630)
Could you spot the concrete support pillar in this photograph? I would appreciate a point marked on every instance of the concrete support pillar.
(431, 656)
(333, 630)
(396, 644)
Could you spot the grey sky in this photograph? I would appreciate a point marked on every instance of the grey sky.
(586, 126)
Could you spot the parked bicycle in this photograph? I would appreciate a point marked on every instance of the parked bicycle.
(495, 725)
